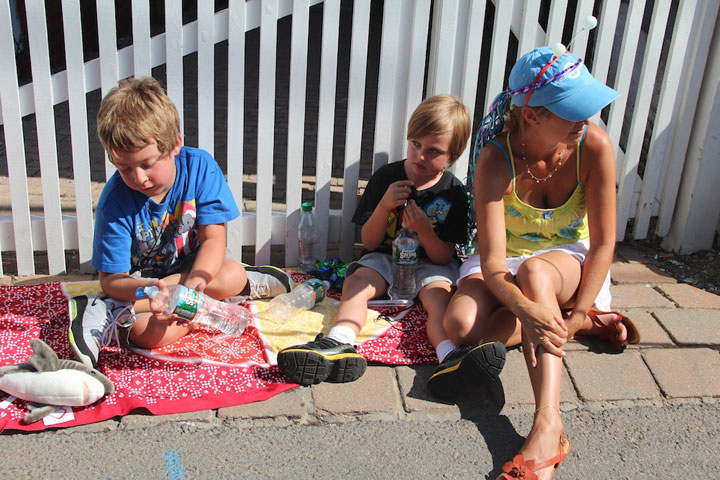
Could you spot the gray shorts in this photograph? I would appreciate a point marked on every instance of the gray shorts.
(425, 274)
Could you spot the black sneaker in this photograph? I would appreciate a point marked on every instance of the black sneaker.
(323, 359)
(469, 365)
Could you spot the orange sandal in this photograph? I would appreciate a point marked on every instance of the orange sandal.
(633, 334)
(520, 468)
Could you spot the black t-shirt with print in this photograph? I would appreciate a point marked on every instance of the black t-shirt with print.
(445, 204)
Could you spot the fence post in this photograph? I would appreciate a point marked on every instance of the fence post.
(698, 207)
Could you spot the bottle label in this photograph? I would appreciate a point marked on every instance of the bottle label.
(404, 255)
(318, 289)
(188, 303)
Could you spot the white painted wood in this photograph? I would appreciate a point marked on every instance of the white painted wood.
(468, 87)
(666, 121)
(444, 43)
(107, 44)
(498, 51)
(77, 106)
(581, 35)
(387, 88)
(624, 74)
(696, 59)
(527, 39)
(142, 56)
(698, 207)
(266, 122)
(353, 131)
(14, 149)
(235, 121)
(413, 76)
(206, 76)
(174, 56)
(607, 24)
(45, 122)
(296, 130)
(556, 22)
(326, 117)
(638, 124)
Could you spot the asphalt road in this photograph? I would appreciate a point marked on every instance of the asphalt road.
(636, 442)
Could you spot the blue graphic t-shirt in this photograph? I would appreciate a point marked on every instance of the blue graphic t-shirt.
(134, 233)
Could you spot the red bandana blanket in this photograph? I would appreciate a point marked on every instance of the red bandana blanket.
(196, 373)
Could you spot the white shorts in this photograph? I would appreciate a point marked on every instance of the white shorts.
(577, 250)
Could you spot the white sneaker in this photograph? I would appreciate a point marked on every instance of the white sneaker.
(268, 281)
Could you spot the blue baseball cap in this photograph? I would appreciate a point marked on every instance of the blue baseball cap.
(574, 95)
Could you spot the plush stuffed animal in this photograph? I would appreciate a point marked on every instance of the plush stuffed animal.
(46, 382)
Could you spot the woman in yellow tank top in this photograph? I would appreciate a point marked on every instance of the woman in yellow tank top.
(545, 204)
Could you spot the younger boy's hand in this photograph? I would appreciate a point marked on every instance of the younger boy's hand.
(415, 219)
(396, 195)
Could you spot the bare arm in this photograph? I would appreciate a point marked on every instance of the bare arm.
(598, 175)
(209, 258)
(373, 231)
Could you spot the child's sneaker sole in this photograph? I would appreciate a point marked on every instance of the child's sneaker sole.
(478, 366)
(307, 367)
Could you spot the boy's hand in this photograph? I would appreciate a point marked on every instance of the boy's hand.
(415, 219)
(396, 195)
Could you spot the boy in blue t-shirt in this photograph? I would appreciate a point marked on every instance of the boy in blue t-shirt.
(160, 221)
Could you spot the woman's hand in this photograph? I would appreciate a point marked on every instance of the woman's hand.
(543, 328)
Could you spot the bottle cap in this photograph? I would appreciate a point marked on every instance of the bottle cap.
(307, 206)
(140, 293)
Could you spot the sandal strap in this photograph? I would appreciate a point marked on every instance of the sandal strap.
(557, 459)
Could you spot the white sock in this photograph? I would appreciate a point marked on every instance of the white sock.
(443, 348)
(343, 334)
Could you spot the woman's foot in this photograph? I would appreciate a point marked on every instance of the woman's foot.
(542, 442)
(608, 326)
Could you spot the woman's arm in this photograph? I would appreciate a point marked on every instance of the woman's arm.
(598, 174)
(492, 181)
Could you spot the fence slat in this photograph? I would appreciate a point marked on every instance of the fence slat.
(666, 121)
(296, 123)
(638, 124)
(326, 117)
(623, 75)
(413, 77)
(45, 121)
(442, 58)
(607, 24)
(174, 55)
(556, 22)
(15, 149)
(266, 125)
(77, 106)
(529, 27)
(469, 83)
(695, 61)
(387, 100)
(580, 38)
(353, 132)
(107, 44)
(141, 38)
(206, 76)
(498, 51)
(235, 121)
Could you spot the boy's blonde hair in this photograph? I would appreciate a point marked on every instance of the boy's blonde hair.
(135, 114)
(440, 114)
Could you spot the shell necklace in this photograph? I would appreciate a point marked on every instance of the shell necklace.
(549, 175)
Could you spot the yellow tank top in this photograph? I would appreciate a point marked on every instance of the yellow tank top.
(529, 229)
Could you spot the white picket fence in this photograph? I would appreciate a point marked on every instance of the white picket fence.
(464, 49)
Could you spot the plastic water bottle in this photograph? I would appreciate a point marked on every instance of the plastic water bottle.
(405, 258)
(308, 238)
(196, 306)
(303, 297)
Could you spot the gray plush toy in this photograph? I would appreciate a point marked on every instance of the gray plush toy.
(46, 382)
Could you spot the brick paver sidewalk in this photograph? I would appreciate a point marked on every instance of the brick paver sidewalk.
(678, 360)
